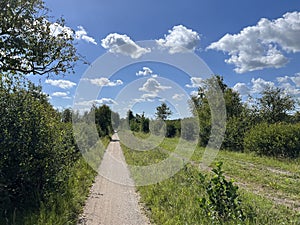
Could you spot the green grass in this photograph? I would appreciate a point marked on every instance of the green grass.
(269, 187)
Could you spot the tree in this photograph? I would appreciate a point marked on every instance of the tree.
(34, 145)
(103, 120)
(163, 111)
(275, 104)
(208, 98)
(66, 116)
(115, 119)
(30, 43)
(145, 124)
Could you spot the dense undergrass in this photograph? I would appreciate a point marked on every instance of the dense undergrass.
(269, 188)
(61, 207)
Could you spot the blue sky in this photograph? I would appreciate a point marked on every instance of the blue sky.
(250, 43)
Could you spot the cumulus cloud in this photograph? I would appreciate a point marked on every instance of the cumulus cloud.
(290, 89)
(178, 97)
(296, 79)
(283, 79)
(195, 82)
(259, 84)
(81, 34)
(102, 101)
(60, 94)
(241, 88)
(121, 43)
(194, 93)
(105, 82)
(56, 29)
(153, 86)
(144, 72)
(180, 39)
(261, 46)
(64, 84)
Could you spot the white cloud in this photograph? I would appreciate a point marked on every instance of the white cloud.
(60, 94)
(178, 97)
(296, 79)
(283, 79)
(258, 47)
(102, 101)
(105, 82)
(194, 93)
(81, 34)
(64, 84)
(144, 72)
(180, 39)
(153, 86)
(118, 43)
(195, 82)
(290, 89)
(259, 84)
(56, 29)
(241, 88)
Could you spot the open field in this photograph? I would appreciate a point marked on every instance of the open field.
(269, 188)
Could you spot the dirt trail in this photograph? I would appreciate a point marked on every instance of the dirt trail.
(113, 200)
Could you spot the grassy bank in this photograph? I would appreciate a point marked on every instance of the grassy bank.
(267, 187)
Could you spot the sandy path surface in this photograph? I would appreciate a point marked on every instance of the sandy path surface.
(113, 200)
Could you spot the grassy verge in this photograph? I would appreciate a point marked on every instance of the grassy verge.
(177, 199)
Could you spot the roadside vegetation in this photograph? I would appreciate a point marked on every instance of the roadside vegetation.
(256, 174)
(43, 177)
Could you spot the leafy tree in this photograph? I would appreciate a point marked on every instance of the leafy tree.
(275, 104)
(163, 111)
(30, 43)
(34, 145)
(170, 129)
(208, 98)
(103, 120)
(189, 129)
(130, 115)
(66, 116)
(115, 118)
(145, 124)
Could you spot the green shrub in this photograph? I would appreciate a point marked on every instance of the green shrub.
(222, 203)
(278, 140)
(35, 145)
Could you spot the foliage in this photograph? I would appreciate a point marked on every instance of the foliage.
(137, 123)
(103, 120)
(163, 111)
(274, 105)
(66, 116)
(209, 97)
(29, 43)
(222, 203)
(279, 140)
(34, 145)
(189, 129)
(170, 129)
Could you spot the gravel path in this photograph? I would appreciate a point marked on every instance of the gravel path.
(113, 200)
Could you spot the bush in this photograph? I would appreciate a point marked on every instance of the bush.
(190, 129)
(279, 140)
(222, 203)
(34, 145)
(234, 134)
